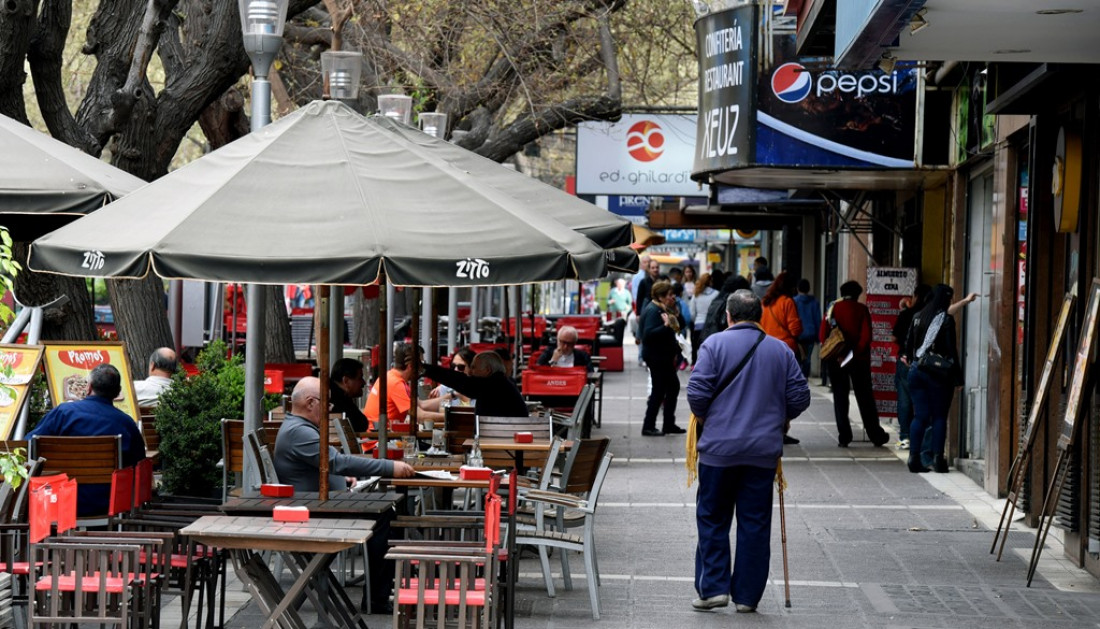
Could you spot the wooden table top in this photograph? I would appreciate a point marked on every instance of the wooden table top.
(341, 505)
(317, 535)
(422, 481)
(504, 443)
(449, 463)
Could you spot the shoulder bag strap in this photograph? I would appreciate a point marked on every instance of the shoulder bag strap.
(741, 365)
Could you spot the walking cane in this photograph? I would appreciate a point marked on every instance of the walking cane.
(781, 484)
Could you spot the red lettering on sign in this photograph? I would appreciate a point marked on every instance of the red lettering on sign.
(85, 359)
(10, 359)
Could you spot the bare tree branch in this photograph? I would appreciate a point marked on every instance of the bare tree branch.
(45, 57)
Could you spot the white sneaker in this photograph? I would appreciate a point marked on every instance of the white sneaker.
(705, 604)
(903, 444)
(745, 609)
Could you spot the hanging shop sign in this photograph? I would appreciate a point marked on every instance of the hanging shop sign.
(640, 155)
(726, 46)
(798, 112)
(886, 288)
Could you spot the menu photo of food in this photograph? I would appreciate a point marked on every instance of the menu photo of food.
(68, 366)
(18, 365)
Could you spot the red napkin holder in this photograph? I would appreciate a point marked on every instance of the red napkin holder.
(475, 473)
(524, 437)
(290, 514)
(394, 454)
(272, 490)
(400, 428)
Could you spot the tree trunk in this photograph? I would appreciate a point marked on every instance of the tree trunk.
(365, 312)
(72, 321)
(141, 317)
(278, 346)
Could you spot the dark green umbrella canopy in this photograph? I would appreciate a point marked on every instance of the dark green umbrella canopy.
(45, 183)
(327, 196)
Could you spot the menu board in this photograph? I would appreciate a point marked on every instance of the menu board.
(69, 364)
(18, 365)
(886, 287)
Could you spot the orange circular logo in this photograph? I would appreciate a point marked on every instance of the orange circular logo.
(644, 141)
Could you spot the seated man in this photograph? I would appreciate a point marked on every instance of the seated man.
(297, 451)
(162, 366)
(346, 385)
(565, 353)
(399, 382)
(486, 381)
(93, 416)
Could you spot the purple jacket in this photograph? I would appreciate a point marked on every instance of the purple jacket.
(744, 421)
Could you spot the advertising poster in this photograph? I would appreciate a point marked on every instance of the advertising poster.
(811, 114)
(886, 287)
(640, 156)
(68, 366)
(18, 365)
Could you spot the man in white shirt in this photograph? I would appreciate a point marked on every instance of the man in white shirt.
(162, 365)
(565, 353)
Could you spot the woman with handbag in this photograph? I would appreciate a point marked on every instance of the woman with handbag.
(850, 371)
(658, 326)
(934, 372)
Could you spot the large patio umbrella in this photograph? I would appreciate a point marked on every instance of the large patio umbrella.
(45, 183)
(326, 196)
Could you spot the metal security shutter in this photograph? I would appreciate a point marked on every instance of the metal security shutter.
(1069, 502)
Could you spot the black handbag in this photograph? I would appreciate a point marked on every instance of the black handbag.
(938, 366)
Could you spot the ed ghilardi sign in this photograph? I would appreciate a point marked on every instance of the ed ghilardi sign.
(726, 135)
(640, 155)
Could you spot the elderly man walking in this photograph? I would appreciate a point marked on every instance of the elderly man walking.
(744, 391)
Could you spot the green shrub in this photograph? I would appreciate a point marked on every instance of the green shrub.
(189, 421)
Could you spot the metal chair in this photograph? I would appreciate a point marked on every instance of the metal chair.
(543, 537)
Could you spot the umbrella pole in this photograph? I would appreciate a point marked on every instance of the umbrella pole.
(323, 304)
(383, 367)
(253, 370)
(414, 393)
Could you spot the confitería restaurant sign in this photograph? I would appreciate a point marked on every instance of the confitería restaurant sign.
(726, 131)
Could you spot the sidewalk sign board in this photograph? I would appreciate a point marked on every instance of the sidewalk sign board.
(69, 364)
(886, 287)
(23, 361)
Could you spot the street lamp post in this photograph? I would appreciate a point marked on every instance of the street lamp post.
(262, 24)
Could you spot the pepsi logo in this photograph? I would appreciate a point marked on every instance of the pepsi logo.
(645, 141)
(791, 82)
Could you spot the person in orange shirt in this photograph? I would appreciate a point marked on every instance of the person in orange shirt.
(399, 381)
(780, 319)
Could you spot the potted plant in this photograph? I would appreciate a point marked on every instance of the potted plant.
(189, 418)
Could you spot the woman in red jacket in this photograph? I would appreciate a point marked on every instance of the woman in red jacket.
(780, 319)
(852, 371)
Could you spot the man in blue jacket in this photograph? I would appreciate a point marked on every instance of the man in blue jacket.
(94, 416)
(745, 390)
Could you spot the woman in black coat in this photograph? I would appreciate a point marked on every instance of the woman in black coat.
(657, 327)
(934, 372)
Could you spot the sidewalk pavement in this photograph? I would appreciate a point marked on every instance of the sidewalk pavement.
(870, 545)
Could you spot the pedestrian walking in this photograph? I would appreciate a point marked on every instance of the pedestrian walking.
(658, 326)
(852, 371)
(809, 312)
(744, 392)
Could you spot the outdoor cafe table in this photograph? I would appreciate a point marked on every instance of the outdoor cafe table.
(504, 444)
(308, 547)
(371, 505)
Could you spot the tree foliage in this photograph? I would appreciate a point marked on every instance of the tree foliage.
(189, 418)
(507, 72)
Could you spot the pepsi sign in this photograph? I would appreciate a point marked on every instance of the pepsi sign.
(791, 82)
